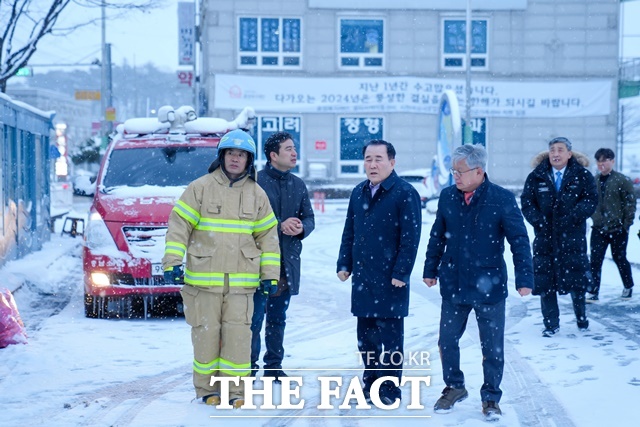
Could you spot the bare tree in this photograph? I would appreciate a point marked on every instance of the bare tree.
(34, 19)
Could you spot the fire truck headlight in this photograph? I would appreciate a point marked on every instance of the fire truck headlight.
(100, 279)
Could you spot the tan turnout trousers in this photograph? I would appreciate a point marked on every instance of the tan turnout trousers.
(220, 323)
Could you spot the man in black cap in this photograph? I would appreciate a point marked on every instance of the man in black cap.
(558, 197)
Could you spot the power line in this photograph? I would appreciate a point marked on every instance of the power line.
(94, 62)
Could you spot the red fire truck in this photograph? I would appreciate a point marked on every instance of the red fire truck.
(146, 167)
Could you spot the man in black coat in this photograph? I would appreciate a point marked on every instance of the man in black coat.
(290, 202)
(379, 246)
(558, 197)
(466, 253)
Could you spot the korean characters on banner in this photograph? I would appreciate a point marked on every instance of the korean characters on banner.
(478, 130)
(354, 133)
(265, 126)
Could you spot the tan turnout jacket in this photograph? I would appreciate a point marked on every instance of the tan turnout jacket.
(223, 228)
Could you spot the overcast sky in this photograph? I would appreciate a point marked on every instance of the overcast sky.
(153, 37)
(137, 38)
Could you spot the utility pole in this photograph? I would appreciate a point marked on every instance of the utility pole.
(196, 77)
(106, 98)
(467, 135)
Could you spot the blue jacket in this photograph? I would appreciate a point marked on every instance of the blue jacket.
(466, 245)
(289, 197)
(379, 243)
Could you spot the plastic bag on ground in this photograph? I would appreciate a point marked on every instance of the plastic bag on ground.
(11, 327)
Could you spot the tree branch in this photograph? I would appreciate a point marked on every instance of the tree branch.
(29, 17)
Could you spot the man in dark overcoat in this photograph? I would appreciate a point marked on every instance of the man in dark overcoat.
(559, 196)
(466, 254)
(290, 202)
(378, 250)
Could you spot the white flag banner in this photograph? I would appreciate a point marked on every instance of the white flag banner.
(553, 99)
(186, 32)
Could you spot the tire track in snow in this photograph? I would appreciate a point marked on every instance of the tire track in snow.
(119, 404)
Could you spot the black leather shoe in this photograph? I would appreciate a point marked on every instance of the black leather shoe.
(275, 373)
(549, 332)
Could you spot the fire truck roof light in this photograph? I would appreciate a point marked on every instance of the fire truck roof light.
(182, 121)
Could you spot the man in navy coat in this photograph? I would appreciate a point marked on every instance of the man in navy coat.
(379, 246)
(466, 253)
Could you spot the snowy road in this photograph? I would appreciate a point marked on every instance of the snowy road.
(90, 372)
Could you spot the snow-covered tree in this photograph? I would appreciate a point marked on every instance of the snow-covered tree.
(88, 152)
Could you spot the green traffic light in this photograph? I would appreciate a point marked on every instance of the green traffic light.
(24, 72)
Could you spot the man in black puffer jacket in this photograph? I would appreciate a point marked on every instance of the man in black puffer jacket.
(558, 197)
(290, 202)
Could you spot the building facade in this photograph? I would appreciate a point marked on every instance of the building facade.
(337, 73)
(71, 120)
(24, 178)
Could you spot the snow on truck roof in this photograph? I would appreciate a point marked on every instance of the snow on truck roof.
(182, 121)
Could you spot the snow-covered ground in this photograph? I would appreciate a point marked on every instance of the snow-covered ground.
(87, 372)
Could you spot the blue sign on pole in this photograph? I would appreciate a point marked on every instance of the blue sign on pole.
(54, 153)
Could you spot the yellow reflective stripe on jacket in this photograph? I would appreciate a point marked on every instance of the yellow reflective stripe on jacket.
(234, 369)
(269, 258)
(217, 279)
(236, 226)
(206, 368)
(225, 225)
(187, 212)
(265, 223)
(175, 248)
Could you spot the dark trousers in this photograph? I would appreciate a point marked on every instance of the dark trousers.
(275, 308)
(599, 242)
(491, 320)
(381, 345)
(551, 312)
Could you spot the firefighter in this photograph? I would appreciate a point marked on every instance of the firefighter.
(225, 226)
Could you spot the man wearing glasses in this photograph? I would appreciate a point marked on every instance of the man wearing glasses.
(466, 253)
(559, 196)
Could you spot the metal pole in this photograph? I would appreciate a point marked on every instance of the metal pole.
(196, 77)
(467, 117)
(109, 86)
(103, 79)
(621, 18)
(620, 109)
(621, 157)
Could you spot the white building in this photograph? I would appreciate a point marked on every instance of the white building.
(337, 73)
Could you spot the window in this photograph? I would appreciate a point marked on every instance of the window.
(454, 44)
(265, 126)
(361, 44)
(269, 43)
(354, 133)
(159, 166)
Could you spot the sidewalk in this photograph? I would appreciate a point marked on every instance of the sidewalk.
(16, 273)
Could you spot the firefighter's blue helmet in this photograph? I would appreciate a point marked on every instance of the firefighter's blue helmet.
(239, 140)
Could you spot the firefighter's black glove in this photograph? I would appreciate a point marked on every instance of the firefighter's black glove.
(174, 275)
(268, 287)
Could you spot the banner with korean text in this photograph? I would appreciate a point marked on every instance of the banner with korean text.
(552, 99)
